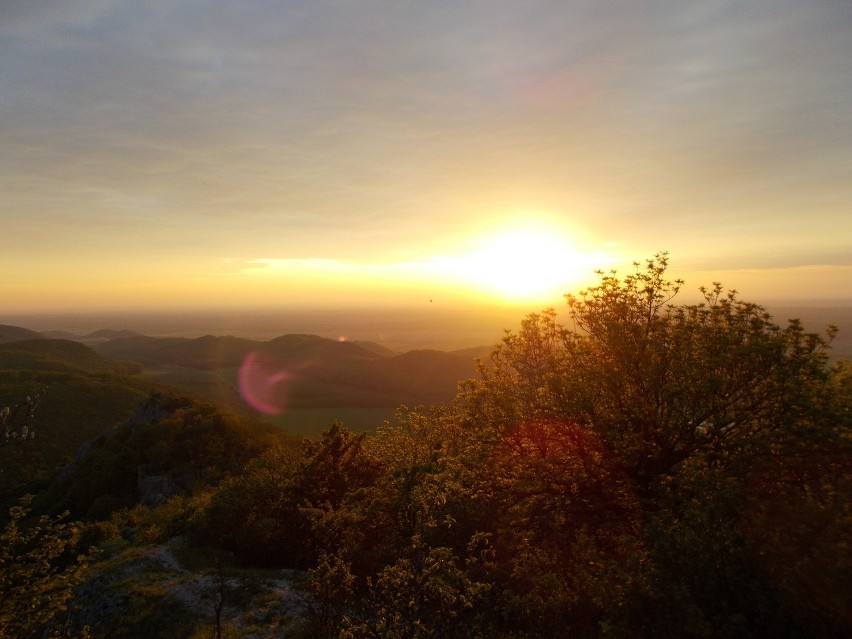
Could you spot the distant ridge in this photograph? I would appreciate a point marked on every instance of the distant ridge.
(212, 351)
(473, 352)
(312, 349)
(204, 353)
(102, 335)
(10, 334)
(59, 355)
(384, 351)
(107, 334)
(415, 376)
(61, 335)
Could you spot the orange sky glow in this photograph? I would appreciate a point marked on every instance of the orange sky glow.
(324, 154)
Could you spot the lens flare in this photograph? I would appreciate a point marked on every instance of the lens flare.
(263, 383)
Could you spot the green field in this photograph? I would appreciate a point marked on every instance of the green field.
(312, 404)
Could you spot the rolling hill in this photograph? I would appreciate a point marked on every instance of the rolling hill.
(60, 355)
(204, 353)
(77, 394)
(10, 334)
(358, 382)
(366, 374)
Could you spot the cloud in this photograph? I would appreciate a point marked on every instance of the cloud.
(316, 129)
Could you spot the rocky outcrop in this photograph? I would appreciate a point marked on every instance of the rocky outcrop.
(148, 413)
(157, 489)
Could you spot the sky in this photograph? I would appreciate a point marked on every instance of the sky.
(202, 154)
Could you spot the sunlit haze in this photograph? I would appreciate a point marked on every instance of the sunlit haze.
(208, 155)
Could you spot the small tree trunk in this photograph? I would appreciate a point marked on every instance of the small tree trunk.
(220, 598)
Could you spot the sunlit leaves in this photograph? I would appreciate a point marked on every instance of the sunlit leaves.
(36, 578)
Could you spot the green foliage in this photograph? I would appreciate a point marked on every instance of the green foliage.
(427, 592)
(186, 446)
(61, 355)
(650, 470)
(281, 510)
(37, 575)
(660, 470)
(672, 410)
(72, 408)
(254, 515)
(333, 466)
(331, 585)
(566, 527)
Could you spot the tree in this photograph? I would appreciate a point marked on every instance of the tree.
(37, 577)
(651, 469)
(17, 422)
(288, 507)
(711, 417)
(657, 383)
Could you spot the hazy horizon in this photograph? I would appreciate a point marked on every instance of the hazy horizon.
(400, 329)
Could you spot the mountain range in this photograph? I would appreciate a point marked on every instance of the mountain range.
(359, 382)
(418, 376)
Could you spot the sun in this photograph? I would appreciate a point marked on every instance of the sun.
(524, 264)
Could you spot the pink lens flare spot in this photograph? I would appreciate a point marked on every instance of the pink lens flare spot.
(262, 383)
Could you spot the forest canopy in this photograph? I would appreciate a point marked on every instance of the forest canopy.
(651, 469)
(645, 469)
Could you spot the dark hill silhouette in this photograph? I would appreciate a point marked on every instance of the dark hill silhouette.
(204, 353)
(413, 377)
(61, 335)
(80, 393)
(384, 351)
(473, 352)
(10, 334)
(212, 352)
(314, 352)
(150, 351)
(108, 333)
(59, 355)
(416, 376)
(101, 335)
(425, 375)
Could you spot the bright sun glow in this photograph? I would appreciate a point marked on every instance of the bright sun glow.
(524, 264)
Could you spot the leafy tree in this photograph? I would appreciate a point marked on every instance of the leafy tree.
(254, 515)
(691, 415)
(191, 445)
(18, 422)
(37, 577)
(651, 469)
(657, 383)
(331, 586)
(427, 592)
(565, 526)
(288, 507)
